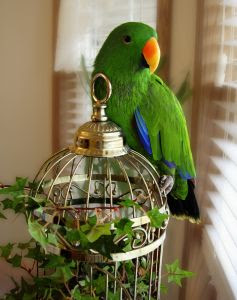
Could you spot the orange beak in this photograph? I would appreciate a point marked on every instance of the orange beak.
(151, 53)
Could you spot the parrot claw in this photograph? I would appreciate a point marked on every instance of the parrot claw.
(166, 184)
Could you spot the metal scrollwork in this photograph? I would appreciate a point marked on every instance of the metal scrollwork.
(167, 220)
(140, 237)
(151, 234)
(57, 194)
(98, 189)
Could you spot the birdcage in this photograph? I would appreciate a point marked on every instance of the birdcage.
(99, 175)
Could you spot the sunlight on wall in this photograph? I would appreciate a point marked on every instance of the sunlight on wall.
(25, 97)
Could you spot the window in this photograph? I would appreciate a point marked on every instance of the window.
(216, 142)
(82, 28)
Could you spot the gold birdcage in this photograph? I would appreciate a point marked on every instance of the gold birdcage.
(93, 177)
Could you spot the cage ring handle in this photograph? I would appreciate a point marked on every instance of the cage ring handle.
(108, 88)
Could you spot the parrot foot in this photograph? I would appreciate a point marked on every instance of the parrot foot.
(166, 184)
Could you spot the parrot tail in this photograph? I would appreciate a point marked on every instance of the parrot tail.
(185, 209)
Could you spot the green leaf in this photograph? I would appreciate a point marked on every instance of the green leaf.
(54, 261)
(129, 203)
(185, 90)
(6, 250)
(97, 231)
(37, 232)
(7, 203)
(84, 243)
(99, 284)
(29, 296)
(40, 210)
(17, 204)
(38, 199)
(47, 293)
(34, 185)
(175, 274)
(130, 269)
(63, 274)
(73, 235)
(36, 254)
(143, 262)
(9, 297)
(123, 227)
(17, 192)
(82, 283)
(85, 227)
(105, 246)
(43, 282)
(15, 261)
(147, 298)
(142, 288)
(87, 297)
(156, 217)
(32, 205)
(52, 239)
(92, 220)
(25, 286)
(2, 216)
(15, 188)
(163, 289)
(21, 182)
(112, 296)
(76, 293)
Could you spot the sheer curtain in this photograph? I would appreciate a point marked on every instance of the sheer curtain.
(215, 127)
(82, 27)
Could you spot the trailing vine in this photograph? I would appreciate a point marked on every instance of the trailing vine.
(54, 276)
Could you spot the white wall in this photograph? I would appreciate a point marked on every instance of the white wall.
(25, 86)
(182, 62)
(183, 44)
(25, 101)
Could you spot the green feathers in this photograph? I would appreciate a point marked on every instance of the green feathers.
(167, 127)
(135, 87)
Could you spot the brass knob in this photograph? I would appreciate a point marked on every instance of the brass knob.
(99, 114)
(108, 88)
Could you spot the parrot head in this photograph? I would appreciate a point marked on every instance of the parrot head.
(130, 49)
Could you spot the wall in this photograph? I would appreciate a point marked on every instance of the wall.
(181, 62)
(183, 45)
(25, 101)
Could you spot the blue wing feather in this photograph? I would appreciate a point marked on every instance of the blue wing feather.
(169, 163)
(143, 132)
(185, 175)
(145, 140)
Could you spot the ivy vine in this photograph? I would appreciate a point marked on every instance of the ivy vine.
(52, 276)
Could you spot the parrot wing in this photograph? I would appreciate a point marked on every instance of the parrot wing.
(143, 132)
(162, 128)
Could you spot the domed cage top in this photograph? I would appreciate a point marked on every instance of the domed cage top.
(95, 177)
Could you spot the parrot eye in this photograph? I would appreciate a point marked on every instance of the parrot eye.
(127, 39)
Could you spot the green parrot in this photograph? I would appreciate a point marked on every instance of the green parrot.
(148, 112)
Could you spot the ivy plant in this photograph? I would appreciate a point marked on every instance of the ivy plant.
(54, 276)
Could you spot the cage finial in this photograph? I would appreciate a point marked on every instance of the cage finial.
(99, 106)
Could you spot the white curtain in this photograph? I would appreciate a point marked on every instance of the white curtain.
(83, 26)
